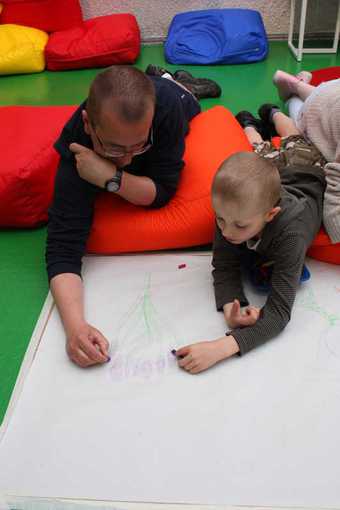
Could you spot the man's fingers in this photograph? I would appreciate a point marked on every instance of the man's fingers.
(92, 351)
(80, 358)
(77, 148)
(99, 340)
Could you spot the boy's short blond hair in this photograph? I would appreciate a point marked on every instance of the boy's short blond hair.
(247, 178)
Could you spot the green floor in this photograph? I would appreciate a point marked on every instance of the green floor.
(22, 274)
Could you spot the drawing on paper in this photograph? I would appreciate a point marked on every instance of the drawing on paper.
(307, 300)
(330, 337)
(143, 343)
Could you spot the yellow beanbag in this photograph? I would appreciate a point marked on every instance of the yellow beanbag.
(21, 49)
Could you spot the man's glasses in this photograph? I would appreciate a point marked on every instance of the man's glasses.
(117, 151)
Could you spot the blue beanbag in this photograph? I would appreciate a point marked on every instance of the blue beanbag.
(216, 36)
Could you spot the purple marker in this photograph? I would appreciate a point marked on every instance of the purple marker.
(174, 352)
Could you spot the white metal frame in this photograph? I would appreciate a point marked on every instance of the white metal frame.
(300, 50)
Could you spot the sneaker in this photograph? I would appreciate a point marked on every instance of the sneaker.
(247, 119)
(152, 70)
(265, 113)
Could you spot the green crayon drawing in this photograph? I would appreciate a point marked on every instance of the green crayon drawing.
(143, 342)
(308, 301)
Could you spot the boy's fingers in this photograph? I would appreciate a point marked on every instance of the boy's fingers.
(185, 361)
(235, 309)
(191, 365)
(183, 351)
(253, 314)
(195, 370)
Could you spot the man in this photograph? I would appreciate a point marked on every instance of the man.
(127, 138)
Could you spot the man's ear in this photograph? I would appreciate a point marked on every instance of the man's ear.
(272, 213)
(86, 121)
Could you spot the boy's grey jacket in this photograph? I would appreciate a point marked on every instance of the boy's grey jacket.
(284, 241)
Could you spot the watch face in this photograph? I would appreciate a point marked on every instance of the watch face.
(112, 186)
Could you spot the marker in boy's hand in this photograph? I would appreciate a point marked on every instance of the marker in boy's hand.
(236, 318)
(197, 357)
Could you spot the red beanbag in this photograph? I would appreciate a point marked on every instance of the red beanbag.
(323, 249)
(98, 42)
(327, 74)
(28, 162)
(188, 219)
(47, 15)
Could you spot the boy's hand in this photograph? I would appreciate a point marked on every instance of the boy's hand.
(235, 317)
(198, 357)
(92, 167)
(86, 346)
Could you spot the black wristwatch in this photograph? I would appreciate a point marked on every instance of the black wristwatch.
(113, 184)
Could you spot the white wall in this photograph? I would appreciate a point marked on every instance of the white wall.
(154, 16)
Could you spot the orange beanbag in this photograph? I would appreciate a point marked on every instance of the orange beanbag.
(188, 219)
(27, 180)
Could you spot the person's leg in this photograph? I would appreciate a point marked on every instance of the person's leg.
(294, 105)
(289, 85)
(247, 119)
(284, 125)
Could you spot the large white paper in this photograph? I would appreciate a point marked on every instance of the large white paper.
(262, 429)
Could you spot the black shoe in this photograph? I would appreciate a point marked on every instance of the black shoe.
(200, 87)
(265, 113)
(184, 75)
(247, 119)
(152, 70)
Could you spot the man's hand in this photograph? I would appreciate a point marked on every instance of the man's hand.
(198, 357)
(86, 346)
(92, 167)
(235, 317)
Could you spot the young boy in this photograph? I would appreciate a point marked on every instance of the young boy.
(268, 204)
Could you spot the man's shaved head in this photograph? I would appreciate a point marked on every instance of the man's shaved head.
(124, 89)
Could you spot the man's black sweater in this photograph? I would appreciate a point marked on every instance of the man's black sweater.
(71, 212)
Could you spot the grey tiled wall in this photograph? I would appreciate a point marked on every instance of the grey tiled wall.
(154, 16)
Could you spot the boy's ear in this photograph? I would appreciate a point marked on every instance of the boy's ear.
(272, 213)
(86, 121)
